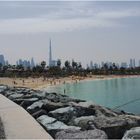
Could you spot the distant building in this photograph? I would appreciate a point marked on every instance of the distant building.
(32, 63)
(91, 65)
(24, 63)
(132, 63)
(124, 65)
(96, 66)
(102, 64)
(139, 63)
(52, 62)
(6, 63)
(2, 61)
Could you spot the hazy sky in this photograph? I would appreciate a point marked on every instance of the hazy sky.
(84, 31)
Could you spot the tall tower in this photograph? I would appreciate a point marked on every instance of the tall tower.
(50, 55)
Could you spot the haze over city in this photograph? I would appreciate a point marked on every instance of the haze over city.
(83, 31)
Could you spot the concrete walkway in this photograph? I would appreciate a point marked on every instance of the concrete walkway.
(19, 124)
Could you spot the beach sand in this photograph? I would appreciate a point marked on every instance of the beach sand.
(39, 83)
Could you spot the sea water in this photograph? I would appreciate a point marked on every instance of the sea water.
(109, 93)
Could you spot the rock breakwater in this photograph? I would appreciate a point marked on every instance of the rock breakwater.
(67, 118)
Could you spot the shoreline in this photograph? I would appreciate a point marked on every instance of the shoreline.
(41, 83)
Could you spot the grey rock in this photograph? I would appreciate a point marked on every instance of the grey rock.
(89, 134)
(49, 105)
(3, 88)
(68, 113)
(8, 93)
(15, 96)
(39, 113)
(45, 120)
(39, 94)
(46, 105)
(99, 110)
(35, 106)
(26, 102)
(133, 133)
(115, 126)
(53, 126)
(52, 97)
(86, 122)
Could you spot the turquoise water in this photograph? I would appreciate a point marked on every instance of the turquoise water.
(109, 93)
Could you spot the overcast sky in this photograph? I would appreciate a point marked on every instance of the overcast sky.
(83, 31)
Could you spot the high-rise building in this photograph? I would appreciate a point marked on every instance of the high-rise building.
(131, 63)
(139, 63)
(124, 65)
(50, 55)
(91, 65)
(134, 64)
(6, 63)
(2, 61)
(32, 63)
(51, 61)
(96, 66)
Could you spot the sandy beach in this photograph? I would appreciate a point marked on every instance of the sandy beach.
(39, 83)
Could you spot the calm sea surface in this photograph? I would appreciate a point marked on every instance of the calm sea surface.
(109, 93)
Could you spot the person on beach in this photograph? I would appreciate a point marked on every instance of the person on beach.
(23, 82)
(64, 91)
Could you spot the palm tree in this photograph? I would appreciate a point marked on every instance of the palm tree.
(74, 64)
(67, 64)
(59, 63)
(43, 64)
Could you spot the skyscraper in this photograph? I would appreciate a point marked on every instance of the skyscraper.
(52, 63)
(50, 55)
(139, 63)
(2, 61)
(32, 63)
(91, 64)
(134, 64)
(131, 63)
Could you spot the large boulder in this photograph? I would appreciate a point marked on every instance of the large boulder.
(8, 93)
(115, 126)
(15, 96)
(35, 106)
(99, 110)
(54, 97)
(53, 126)
(67, 114)
(46, 105)
(3, 88)
(39, 94)
(39, 113)
(26, 102)
(133, 133)
(63, 114)
(86, 104)
(85, 122)
(89, 134)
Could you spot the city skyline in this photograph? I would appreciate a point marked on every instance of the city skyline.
(82, 31)
(51, 62)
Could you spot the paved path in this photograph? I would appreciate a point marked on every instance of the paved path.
(18, 123)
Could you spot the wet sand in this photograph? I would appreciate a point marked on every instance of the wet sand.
(39, 83)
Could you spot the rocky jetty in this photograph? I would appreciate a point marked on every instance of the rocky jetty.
(67, 118)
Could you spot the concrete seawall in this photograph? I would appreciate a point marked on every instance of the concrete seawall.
(19, 124)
